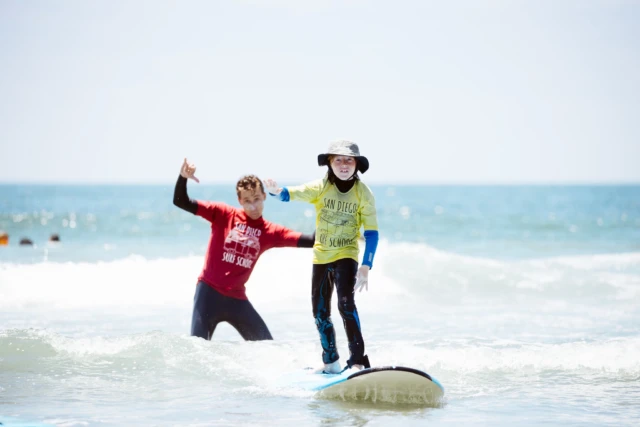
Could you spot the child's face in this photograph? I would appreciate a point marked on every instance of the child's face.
(252, 201)
(343, 166)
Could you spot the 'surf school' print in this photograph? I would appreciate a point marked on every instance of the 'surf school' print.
(242, 246)
(338, 225)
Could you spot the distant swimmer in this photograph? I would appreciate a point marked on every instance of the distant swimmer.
(25, 241)
(54, 237)
(4, 238)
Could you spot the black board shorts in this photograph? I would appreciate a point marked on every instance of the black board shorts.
(210, 307)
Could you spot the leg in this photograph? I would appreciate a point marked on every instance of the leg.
(247, 321)
(321, 290)
(345, 279)
(207, 305)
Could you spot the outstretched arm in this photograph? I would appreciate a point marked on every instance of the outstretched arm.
(272, 186)
(274, 190)
(180, 197)
(307, 240)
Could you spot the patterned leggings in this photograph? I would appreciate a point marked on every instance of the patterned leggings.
(340, 274)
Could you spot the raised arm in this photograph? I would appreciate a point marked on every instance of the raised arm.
(180, 197)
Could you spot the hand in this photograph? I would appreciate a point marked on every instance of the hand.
(188, 170)
(272, 186)
(362, 279)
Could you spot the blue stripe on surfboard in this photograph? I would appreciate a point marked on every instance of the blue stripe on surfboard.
(337, 379)
(436, 382)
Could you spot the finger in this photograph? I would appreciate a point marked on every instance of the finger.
(359, 283)
(195, 179)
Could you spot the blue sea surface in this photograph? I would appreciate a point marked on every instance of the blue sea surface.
(523, 301)
(507, 222)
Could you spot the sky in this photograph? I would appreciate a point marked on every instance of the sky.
(433, 92)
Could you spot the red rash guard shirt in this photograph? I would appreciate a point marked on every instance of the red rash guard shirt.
(235, 245)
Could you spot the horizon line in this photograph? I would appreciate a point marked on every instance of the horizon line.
(371, 183)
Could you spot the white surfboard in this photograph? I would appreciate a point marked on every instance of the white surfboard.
(390, 384)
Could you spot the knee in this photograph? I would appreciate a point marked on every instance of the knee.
(346, 305)
(320, 316)
(323, 321)
(320, 312)
(198, 328)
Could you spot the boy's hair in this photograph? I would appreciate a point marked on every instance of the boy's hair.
(249, 182)
(332, 176)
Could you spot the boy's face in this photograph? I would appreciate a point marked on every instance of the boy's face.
(252, 201)
(343, 166)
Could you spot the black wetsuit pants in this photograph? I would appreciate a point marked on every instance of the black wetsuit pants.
(340, 274)
(210, 307)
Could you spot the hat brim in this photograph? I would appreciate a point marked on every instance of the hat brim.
(363, 162)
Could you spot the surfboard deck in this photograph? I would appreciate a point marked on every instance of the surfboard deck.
(391, 384)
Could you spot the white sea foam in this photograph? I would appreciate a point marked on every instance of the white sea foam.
(401, 272)
(188, 355)
(507, 332)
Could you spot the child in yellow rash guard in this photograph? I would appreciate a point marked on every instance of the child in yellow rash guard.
(339, 217)
(344, 205)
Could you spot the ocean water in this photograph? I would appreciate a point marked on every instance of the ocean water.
(523, 301)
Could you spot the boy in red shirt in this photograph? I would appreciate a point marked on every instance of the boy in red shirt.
(238, 238)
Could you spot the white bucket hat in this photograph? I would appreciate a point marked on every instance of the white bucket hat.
(344, 148)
